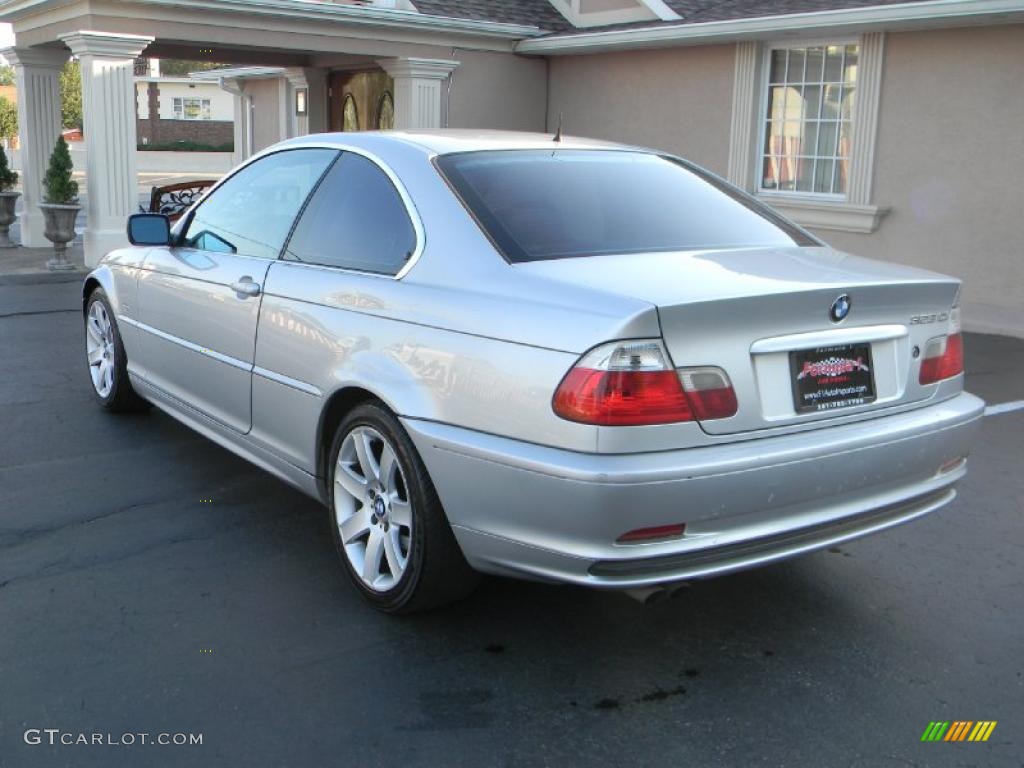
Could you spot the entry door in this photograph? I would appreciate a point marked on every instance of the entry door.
(199, 301)
(360, 101)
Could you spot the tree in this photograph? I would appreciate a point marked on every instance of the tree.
(60, 187)
(8, 118)
(6, 74)
(71, 95)
(181, 67)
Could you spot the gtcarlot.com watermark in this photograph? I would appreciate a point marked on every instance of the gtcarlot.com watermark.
(55, 736)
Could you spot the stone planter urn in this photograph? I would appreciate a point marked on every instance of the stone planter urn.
(59, 228)
(7, 217)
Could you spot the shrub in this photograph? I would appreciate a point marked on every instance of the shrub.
(186, 146)
(60, 187)
(8, 178)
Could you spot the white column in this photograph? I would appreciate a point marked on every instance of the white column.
(108, 111)
(39, 124)
(418, 90)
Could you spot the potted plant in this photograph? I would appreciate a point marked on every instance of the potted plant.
(60, 208)
(8, 199)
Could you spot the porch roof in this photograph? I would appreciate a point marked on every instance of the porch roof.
(295, 29)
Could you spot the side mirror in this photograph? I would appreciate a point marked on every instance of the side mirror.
(149, 229)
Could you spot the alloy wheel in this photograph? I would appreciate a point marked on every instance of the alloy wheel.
(372, 508)
(100, 350)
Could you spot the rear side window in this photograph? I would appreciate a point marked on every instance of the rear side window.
(356, 220)
(537, 204)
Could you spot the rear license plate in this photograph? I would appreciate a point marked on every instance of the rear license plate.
(828, 378)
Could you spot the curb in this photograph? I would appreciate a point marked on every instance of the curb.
(41, 278)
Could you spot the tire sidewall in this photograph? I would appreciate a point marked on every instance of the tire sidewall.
(120, 363)
(370, 415)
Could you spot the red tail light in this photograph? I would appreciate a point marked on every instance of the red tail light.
(943, 359)
(632, 383)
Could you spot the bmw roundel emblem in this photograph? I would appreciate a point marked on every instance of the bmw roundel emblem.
(840, 308)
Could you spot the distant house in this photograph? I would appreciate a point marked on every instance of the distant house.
(170, 110)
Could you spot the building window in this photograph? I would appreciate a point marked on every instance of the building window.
(807, 133)
(191, 108)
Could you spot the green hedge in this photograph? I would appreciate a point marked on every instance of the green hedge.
(186, 146)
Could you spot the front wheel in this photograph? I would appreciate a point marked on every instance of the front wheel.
(388, 523)
(104, 352)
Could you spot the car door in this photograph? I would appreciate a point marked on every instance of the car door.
(356, 233)
(199, 300)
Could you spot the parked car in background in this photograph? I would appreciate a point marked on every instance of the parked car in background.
(560, 360)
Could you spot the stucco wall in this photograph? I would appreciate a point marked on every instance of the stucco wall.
(949, 162)
(267, 120)
(497, 90)
(678, 99)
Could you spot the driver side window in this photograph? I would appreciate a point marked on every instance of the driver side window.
(251, 213)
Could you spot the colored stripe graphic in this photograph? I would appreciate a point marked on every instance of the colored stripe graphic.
(958, 730)
(982, 730)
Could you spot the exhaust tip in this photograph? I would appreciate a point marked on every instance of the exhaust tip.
(656, 594)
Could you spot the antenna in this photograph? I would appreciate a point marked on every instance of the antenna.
(558, 133)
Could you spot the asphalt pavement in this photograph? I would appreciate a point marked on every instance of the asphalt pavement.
(151, 582)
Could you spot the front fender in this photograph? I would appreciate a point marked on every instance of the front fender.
(118, 275)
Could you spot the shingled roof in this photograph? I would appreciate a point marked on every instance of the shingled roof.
(536, 13)
(540, 13)
(696, 11)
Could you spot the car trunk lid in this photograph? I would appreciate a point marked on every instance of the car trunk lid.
(748, 311)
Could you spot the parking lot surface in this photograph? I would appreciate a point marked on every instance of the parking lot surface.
(151, 582)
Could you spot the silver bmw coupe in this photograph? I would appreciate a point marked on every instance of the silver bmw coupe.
(562, 360)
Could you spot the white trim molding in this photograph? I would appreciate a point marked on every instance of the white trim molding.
(837, 215)
(743, 154)
(852, 212)
(418, 93)
(865, 118)
(114, 45)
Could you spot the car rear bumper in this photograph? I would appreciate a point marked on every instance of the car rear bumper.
(544, 513)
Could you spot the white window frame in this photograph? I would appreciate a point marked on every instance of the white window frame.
(763, 77)
(178, 108)
(852, 211)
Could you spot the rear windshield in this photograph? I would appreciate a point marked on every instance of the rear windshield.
(538, 204)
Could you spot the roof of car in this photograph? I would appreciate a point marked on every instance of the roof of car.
(448, 141)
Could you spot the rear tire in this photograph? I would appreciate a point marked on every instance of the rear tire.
(108, 365)
(387, 521)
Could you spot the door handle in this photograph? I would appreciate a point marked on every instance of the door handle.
(246, 286)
